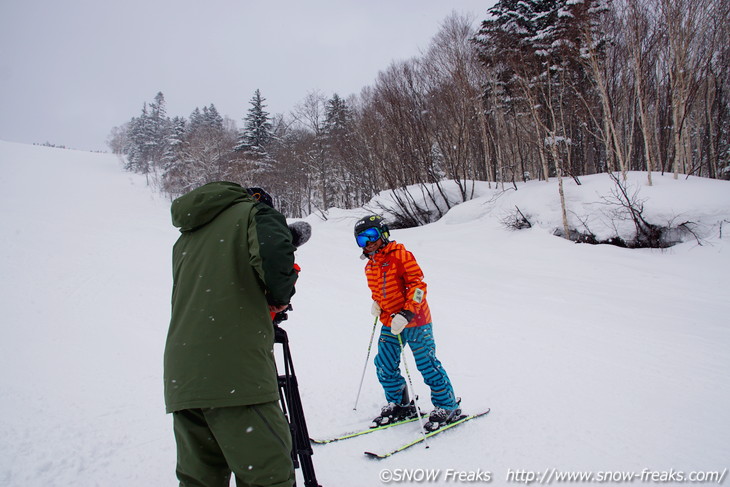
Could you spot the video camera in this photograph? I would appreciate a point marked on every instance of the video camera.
(282, 316)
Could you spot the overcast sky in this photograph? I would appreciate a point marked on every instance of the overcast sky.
(70, 70)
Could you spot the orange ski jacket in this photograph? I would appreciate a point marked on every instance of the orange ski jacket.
(396, 282)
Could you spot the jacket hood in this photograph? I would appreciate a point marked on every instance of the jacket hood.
(200, 206)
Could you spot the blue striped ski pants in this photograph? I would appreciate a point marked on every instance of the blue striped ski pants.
(387, 365)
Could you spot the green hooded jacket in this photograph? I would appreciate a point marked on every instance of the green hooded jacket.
(233, 258)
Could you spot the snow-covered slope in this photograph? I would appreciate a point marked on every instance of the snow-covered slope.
(592, 358)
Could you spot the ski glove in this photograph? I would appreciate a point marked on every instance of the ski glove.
(375, 309)
(400, 320)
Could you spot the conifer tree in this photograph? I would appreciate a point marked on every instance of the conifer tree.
(338, 117)
(139, 139)
(147, 140)
(158, 132)
(175, 180)
(338, 130)
(256, 134)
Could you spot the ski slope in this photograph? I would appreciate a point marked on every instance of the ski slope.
(591, 358)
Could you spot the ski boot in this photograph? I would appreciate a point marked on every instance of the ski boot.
(440, 417)
(392, 413)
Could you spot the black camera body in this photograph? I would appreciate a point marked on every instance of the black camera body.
(282, 316)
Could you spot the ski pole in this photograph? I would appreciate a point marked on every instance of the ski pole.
(413, 393)
(375, 324)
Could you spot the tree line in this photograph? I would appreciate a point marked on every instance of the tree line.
(541, 89)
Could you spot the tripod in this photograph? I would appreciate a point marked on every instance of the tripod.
(291, 404)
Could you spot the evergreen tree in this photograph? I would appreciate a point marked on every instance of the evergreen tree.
(205, 121)
(139, 142)
(196, 120)
(207, 146)
(174, 175)
(148, 135)
(341, 168)
(211, 118)
(338, 118)
(533, 49)
(158, 128)
(256, 134)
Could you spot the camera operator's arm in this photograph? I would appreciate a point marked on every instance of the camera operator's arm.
(272, 254)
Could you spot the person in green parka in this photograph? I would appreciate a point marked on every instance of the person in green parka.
(233, 265)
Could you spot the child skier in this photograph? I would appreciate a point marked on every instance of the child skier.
(399, 300)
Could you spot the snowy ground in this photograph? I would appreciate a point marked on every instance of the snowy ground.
(592, 358)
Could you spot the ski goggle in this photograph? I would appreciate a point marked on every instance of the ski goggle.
(366, 236)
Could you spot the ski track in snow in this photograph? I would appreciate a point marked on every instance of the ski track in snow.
(592, 358)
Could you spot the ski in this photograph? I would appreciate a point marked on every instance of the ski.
(427, 435)
(355, 434)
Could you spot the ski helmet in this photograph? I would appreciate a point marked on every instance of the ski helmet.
(375, 222)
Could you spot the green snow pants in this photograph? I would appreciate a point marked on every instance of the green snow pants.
(253, 442)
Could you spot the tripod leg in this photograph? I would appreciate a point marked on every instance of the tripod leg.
(283, 391)
(300, 437)
(292, 407)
